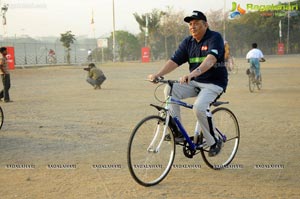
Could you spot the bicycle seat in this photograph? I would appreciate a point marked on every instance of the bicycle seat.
(248, 71)
(158, 107)
(218, 103)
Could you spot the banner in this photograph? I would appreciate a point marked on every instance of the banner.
(10, 57)
(280, 50)
(102, 43)
(145, 54)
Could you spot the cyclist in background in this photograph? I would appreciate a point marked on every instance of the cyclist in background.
(254, 56)
(52, 56)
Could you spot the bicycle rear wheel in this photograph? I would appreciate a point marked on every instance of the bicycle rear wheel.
(149, 164)
(227, 129)
(1, 117)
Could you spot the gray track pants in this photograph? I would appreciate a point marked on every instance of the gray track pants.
(208, 94)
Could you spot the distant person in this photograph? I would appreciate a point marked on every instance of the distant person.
(51, 52)
(95, 76)
(254, 56)
(5, 76)
(227, 51)
(89, 57)
(227, 57)
(52, 56)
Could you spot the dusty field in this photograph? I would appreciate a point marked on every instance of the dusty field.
(58, 119)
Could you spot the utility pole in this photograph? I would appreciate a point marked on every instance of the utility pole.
(224, 18)
(146, 30)
(114, 39)
(288, 32)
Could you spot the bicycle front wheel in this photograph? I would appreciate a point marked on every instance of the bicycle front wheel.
(251, 82)
(1, 117)
(259, 83)
(234, 69)
(227, 129)
(150, 153)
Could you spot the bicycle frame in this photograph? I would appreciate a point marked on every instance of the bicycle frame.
(192, 145)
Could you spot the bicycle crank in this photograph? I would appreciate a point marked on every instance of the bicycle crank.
(189, 153)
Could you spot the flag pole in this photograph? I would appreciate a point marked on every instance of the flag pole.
(93, 24)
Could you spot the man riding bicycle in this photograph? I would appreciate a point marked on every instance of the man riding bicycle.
(204, 52)
(254, 56)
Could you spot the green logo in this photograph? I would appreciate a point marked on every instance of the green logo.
(272, 7)
(237, 10)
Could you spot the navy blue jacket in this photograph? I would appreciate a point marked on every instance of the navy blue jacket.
(195, 52)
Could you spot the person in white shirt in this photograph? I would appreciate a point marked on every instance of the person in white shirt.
(254, 56)
(89, 57)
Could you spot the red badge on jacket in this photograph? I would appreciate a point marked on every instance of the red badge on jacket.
(204, 48)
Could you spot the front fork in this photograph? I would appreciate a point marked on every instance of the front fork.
(152, 147)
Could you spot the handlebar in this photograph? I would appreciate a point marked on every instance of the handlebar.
(162, 80)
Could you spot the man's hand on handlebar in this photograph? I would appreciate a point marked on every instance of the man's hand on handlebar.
(185, 79)
(153, 78)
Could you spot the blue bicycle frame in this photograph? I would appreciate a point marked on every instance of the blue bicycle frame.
(192, 145)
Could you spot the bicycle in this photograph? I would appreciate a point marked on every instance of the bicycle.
(152, 144)
(252, 80)
(1, 117)
(52, 59)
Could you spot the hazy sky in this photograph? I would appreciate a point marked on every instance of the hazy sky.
(52, 17)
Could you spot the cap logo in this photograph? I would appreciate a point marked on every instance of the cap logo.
(195, 13)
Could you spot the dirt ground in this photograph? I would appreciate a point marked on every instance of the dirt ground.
(73, 139)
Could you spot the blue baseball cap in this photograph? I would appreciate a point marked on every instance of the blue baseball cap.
(195, 15)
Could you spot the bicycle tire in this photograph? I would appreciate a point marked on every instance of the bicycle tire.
(251, 82)
(234, 69)
(149, 168)
(2, 117)
(259, 84)
(226, 122)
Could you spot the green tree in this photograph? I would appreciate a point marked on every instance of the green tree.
(127, 45)
(173, 29)
(165, 30)
(149, 25)
(67, 39)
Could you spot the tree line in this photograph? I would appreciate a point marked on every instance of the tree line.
(163, 30)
